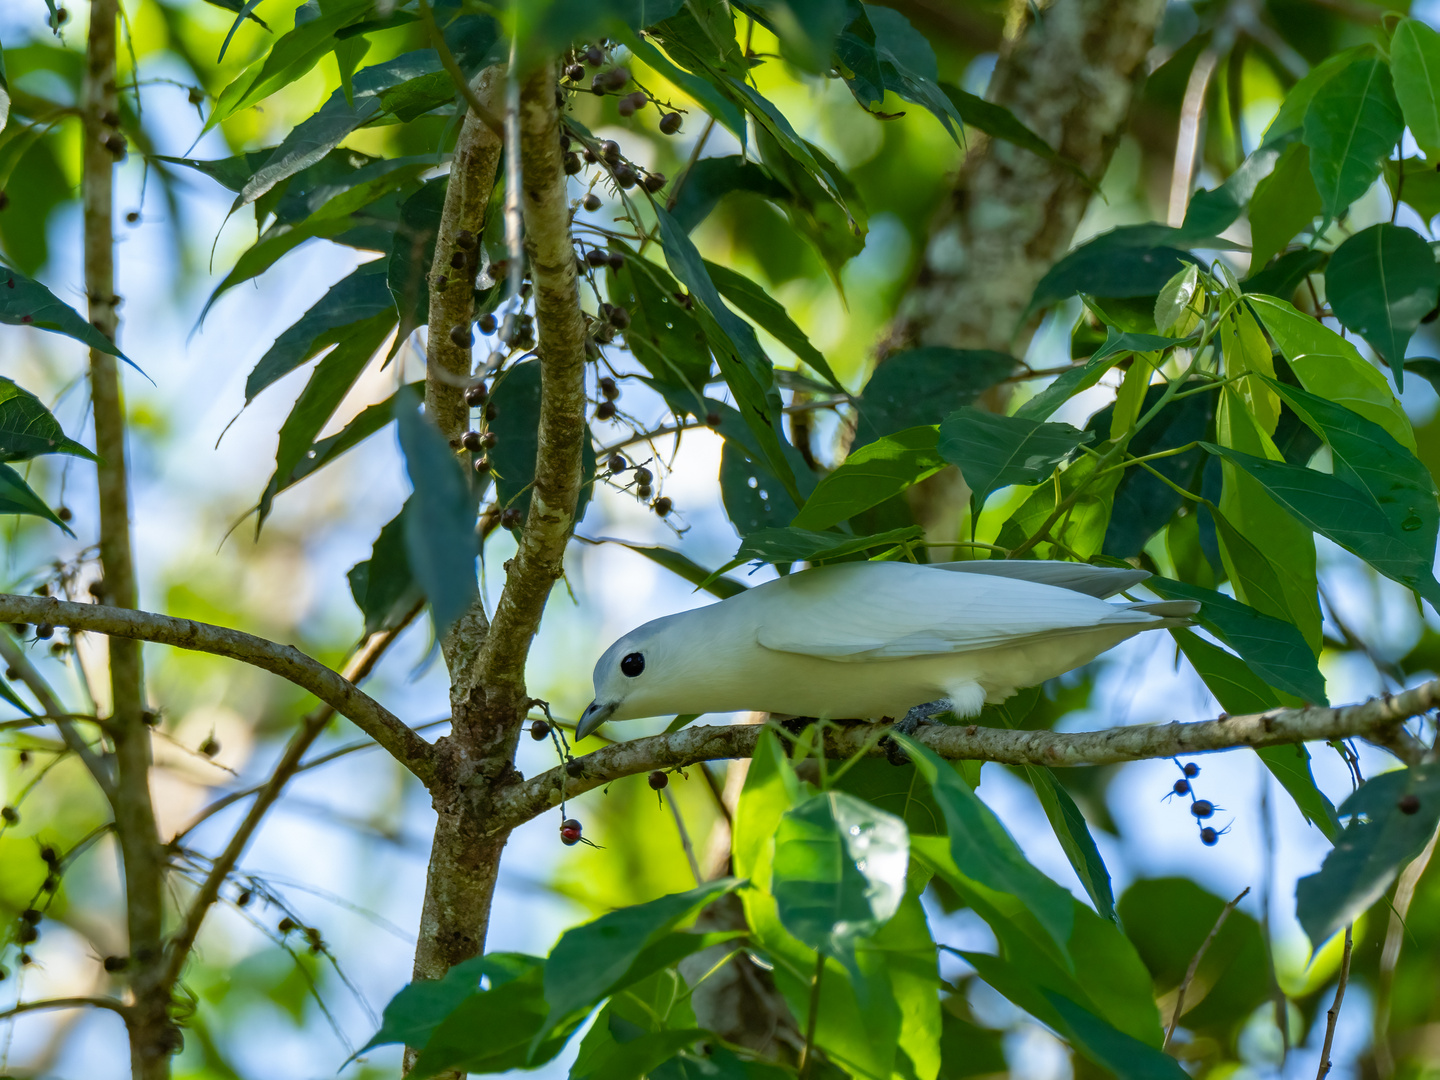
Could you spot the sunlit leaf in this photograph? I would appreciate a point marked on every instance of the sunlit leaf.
(1351, 126)
(995, 451)
(1285, 203)
(1380, 283)
(27, 428)
(871, 474)
(1074, 836)
(797, 545)
(25, 302)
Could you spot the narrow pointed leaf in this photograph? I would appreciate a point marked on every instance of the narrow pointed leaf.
(27, 428)
(1415, 64)
(995, 451)
(1351, 126)
(25, 302)
(16, 497)
(875, 472)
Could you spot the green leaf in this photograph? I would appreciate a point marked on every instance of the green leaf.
(1123, 1055)
(823, 205)
(1241, 692)
(875, 472)
(407, 271)
(1134, 260)
(1330, 367)
(1000, 123)
(331, 381)
(663, 334)
(838, 872)
(979, 843)
(1284, 204)
(806, 28)
(516, 397)
(1283, 276)
(1343, 514)
(384, 589)
(28, 429)
(1273, 648)
(16, 497)
(1370, 852)
(710, 179)
(879, 50)
(771, 317)
(492, 1031)
(1212, 212)
(802, 545)
(637, 1057)
(356, 298)
(1074, 836)
(289, 59)
(594, 960)
(1415, 182)
(25, 302)
(752, 497)
(245, 10)
(746, 368)
(1173, 305)
(1366, 457)
(712, 98)
(417, 1010)
(440, 540)
(921, 386)
(547, 27)
(1351, 126)
(995, 451)
(1415, 64)
(371, 419)
(1380, 283)
(1291, 117)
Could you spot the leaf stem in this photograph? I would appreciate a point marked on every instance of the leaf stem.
(807, 1054)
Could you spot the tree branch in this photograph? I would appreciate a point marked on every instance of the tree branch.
(539, 562)
(360, 665)
(1378, 720)
(284, 660)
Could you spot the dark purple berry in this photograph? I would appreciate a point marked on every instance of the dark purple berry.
(539, 730)
(643, 491)
(712, 419)
(572, 164)
(643, 475)
(489, 439)
(597, 257)
(471, 441)
(605, 410)
(1209, 837)
(620, 318)
(625, 175)
(461, 337)
(113, 964)
(475, 394)
(511, 518)
(574, 73)
(610, 151)
(44, 631)
(658, 780)
(1182, 787)
(654, 182)
(616, 260)
(482, 465)
(1191, 770)
(663, 506)
(487, 323)
(9, 815)
(465, 239)
(594, 56)
(1408, 803)
(1202, 808)
(610, 392)
(591, 202)
(670, 123)
(210, 747)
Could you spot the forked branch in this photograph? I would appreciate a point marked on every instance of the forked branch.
(1379, 721)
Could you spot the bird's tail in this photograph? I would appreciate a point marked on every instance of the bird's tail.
(1172, 612)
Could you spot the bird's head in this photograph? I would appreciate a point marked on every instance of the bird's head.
(645, 673)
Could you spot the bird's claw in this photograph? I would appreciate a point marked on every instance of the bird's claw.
(909, 724)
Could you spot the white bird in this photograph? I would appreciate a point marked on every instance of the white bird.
(875, 640)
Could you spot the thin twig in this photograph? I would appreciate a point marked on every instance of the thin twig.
(1195, 966)
(67, 1003)
(447, 61)
(684, 835)
(14, 657)
(1333, 1014)
(284, 660)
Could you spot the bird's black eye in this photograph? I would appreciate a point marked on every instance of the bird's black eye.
(633, 664)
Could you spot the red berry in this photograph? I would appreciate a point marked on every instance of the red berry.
(570, 832)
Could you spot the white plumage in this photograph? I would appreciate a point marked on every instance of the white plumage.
(872, 640)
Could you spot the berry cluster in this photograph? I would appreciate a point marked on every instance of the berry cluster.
(1202, 809)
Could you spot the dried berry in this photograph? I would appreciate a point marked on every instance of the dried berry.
(132, 217)
(654, 182)
(574, 73)
(461, 337)
(570, 832)
(210, 747)
(616, 78)
(491, 412)
(30, 915)
(26, 934)
(610, 151)
(620, 318)
(663, 506)
(625, 175)
(489, 439)
(511, 518)
(1408, 803)
(572, 164)
(1202, 808)
(116, 144)
(244, 898)
(1191, 770)
(1182, 787)
(457, 260)
(591, 202)
(616, 260)
(44, 631)
(487, 323)
(471, 441)
(465, 239)
(597, 257)
(608, 389)
(286, 925)
(658, 780)
(49, 856)
(482, 465)
(670, 123)
(113, 964)
(712, 419)
(539, 730)
(605, 410)
(594, 56)
(1209, 837)
(643, 475)
(9, 815)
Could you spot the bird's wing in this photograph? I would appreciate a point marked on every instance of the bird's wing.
(1101, 581)
(882, 611)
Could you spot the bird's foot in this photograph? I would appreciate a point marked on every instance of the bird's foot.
(909, 724)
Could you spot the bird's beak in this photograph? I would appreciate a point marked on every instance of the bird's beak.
(594, 715)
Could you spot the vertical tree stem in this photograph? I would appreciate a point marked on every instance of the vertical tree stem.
(152, 1035)
(813, 1016)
